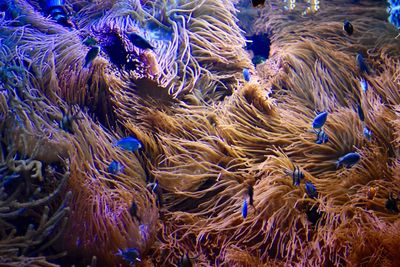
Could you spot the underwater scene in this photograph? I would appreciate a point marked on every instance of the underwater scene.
(199, 133)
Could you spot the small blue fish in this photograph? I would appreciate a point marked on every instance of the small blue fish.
(362, 66)
(360, 112)
(155, 187)
(367, 133)
(144, 232)
(246, 74)
(311, 190)
(348, 27)
(67, 121)
(297, 176)
(8, 179)
(391, 204)
(364, 85)
(139, 41)
(185, 261)
(320, 120)
(115, 167)
(90, 41)
(322, 137)
(258, 60)
(257, 3)
(129, 143)
(250, 192)
(91, 55)
(348, 160)
(313, 215)
(130, 255)
(244, 209)
(158, 31)
(133, 210)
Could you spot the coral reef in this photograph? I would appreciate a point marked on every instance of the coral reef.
(77, 79)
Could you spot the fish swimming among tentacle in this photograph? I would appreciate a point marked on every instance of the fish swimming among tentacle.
(311, 190)
(258, 3)
(144, 232)
(129, 143)
(367, 133)
(319, 120)
(185, 261)
(364, 85)
(246, 74)
(90, 41)
(156, 189)
(313, 215)
(348, 27)
(244, 208)
(362, 66)
(130, 255)
(360, 112)
(139, 41)
(250, 192)
(297, 176)
(348, 160)
(67, 121)
(257, 59)
(91, 55)
(391, 204)
(322, 137)
(115, 167)
(159, 31)
(133, 211)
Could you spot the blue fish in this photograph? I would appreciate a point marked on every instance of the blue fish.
(322, 137)
(130, 255)
(139, 41)
(246, 74)
(391, 204)
(90, 41)
(185, 261)
(362, 66)
(250, 192)
(67, 121)
(258, 60)
(311, 190)
(360, 112)
(367, 133)
(320, 120)
(257, 3)
(155, 187)
(91, 55)
(115, 167)
(133, 210)
(144, 232)
(244, 209)
(158, 31)
(364, 85)
(129, 143)
(348, 27)
(8, 179)
(348, 160)
(297, 176)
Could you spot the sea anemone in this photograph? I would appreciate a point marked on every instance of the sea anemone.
(169, 75)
